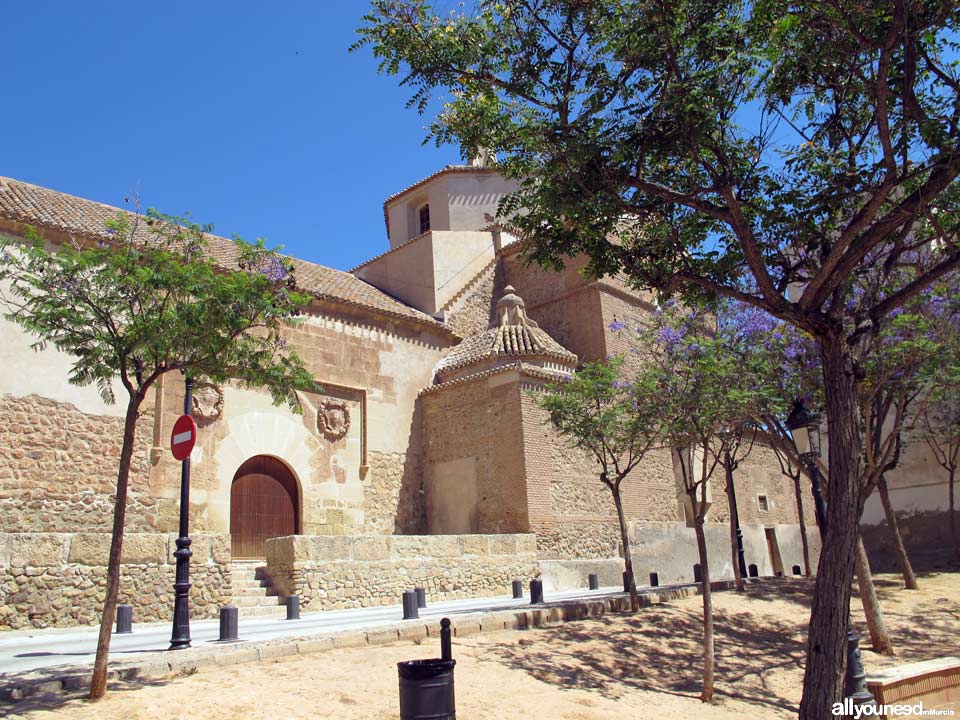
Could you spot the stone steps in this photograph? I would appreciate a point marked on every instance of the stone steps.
(253, 593)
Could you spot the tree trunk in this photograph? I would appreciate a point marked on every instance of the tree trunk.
(627, 560)
(879, 638)
(906, 569)
(734, 522)
(98, 684)
(827, 643)
(798, 492)
(707, 694)
(954, 533)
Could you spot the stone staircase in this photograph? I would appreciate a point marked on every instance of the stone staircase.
(456, 302)
(253, 592)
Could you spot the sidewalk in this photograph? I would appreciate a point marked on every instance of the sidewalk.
(56, 660)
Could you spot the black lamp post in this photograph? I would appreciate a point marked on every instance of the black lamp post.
(804, 425)
(726, 436)
(180, 639)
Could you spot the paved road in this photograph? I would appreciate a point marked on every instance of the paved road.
(25, 650)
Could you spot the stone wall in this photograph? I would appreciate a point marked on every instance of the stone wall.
(393, 495)
(473, 456)
(59, 579)
(330, 573)
(58, 468)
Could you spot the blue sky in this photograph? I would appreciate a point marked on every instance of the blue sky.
(250, 116)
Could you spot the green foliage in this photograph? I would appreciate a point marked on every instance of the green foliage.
(732, 148)
(154, 300)
(614, 419)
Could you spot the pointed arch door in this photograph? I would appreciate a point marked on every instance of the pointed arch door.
(264, 503)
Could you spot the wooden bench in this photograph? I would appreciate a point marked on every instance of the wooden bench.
(935, 682)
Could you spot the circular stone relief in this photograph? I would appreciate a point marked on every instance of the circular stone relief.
(333, 419)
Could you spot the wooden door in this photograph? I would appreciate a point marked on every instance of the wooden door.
(263, 505)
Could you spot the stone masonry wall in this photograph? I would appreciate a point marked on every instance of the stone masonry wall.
(59, 579)
(393, 495)
(58, 468)
(331, 573)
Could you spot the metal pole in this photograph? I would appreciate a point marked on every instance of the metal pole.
(741, 559)
(180, 638)
(820, 508)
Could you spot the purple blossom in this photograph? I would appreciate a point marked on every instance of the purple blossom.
(617, 326)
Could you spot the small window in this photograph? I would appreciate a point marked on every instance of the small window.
(424, 218)
(763, 503)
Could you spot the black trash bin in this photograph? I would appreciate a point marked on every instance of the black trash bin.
(426, 689)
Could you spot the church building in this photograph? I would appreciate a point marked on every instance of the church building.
(425, 461)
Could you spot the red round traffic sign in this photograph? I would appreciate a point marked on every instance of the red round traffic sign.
(183, 437)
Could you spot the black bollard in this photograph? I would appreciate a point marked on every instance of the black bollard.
(626, 581)
(796, 570)
(654, 580)
(752, 571)
(446, 647)
(124, 619)
(594, 581)
(421, 597)
(517, 589)
(410, 611)
(293, 607)
(536, 592)
(229, 623)
(697, 573)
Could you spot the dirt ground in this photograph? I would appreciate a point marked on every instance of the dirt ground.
(642, 666)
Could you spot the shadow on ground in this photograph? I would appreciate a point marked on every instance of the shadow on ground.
(661, 649)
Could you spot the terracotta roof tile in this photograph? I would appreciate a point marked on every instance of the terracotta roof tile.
(31, 204)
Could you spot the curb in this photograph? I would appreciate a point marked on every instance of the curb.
(15, 687)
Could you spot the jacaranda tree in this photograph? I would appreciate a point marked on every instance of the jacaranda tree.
(737, 149)
(613, 416)
(149, 302)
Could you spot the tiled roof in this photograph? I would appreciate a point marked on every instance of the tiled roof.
(31, 204)
(506, 341)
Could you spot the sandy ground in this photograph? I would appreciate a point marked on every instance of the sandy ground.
(642, 666)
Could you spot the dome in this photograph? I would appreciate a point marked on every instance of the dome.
(514, 337)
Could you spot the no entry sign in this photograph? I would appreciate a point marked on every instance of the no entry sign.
(183, 437)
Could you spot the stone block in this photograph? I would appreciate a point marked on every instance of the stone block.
(382, 636)
(236, 656)
(36, 549)
(462, 628)
(90, 549)
(315, 645)
(441, 546)
(329, 547)
(503, 544)
(408, 546)
(283, 551)
(220, 549)
(371, 548)
(415, 631)
(350, 639)
(4, 550)
(143, 549)
(526, 543)
(474, 544)
(283, 648)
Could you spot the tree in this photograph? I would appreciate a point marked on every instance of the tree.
(710, 393)
(613, 419)
(150, 302)
(733, 149)
(940, 428)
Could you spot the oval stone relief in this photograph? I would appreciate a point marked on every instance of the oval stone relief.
(333, 419)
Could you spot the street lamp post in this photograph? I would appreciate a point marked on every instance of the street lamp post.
(180, 638)
(804, 426)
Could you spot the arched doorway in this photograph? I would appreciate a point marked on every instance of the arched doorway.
(264, 503)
